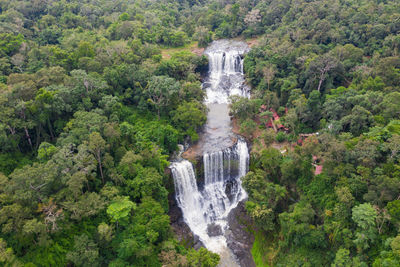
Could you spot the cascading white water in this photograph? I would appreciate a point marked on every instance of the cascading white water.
(222, 184)
(225, 71)
(224, 162)
(187, 194)
(221, 192)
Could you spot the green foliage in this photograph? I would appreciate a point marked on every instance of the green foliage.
(248, 127)
(7, 256)
(89, 114)
(189, 117)
(280, 137)
(119, 210)
(162, 93)
(148, 183)
(342, 258)
(90, 111)
(203, 36)
(46, 150)
(269, 137)
(259, 250)
(10, 43)
(202, 258)
(138, 241)
(393, 208)
(364, 215)
(85, 252)
(244, 108)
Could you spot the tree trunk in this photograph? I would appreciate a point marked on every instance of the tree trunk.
(273, 125)
(50, 129)
(100, 167)
(29, 137)
(37, 136)
(321, 80)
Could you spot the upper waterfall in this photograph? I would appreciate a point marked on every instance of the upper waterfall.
(226, 76)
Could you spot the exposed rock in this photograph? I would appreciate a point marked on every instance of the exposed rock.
(197, 242)
(240, 240)
(214, 229)
(231, 187)
(180, 228)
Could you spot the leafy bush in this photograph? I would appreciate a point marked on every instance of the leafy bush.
(280, 137)
(248, 127)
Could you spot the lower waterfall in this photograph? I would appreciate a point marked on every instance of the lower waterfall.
(221, 192)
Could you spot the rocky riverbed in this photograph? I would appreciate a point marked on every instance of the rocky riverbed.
(239, 237)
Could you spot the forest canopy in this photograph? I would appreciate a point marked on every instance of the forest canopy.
(91, 110)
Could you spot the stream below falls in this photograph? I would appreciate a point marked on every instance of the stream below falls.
(206, 205)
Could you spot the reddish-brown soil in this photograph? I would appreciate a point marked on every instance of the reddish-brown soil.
(192, 153)
(197, 50)
(252, 42)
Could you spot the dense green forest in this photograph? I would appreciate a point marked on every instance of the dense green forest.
(331, 69)
(90, 112)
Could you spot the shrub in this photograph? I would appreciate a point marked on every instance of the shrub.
(269, 137)
(248, 127)
(280, 137)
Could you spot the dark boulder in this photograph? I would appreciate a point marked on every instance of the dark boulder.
(214, 229)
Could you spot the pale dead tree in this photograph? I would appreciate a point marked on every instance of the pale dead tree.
(320, 68)
(201, 33)
(18, 61)
(86, 84)
(393, 145)
(362, 70)
(118, 48)
(52, 214)
(327, 65)
(19, 22)
(253, 17)
(382, 218)
(269, 73)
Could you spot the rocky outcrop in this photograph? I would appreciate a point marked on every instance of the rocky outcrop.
(239, 237)
(180, 228)
(214, 230)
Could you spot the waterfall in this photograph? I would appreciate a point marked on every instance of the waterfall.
(222, 190)
(222, 184)
(206, 206)
(188, 196)
(226, 76)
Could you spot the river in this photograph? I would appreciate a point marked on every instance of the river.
(205, 207)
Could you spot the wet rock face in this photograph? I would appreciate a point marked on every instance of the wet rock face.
(231, 187)
(180, 228)
(239, 239)
(214, 230)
